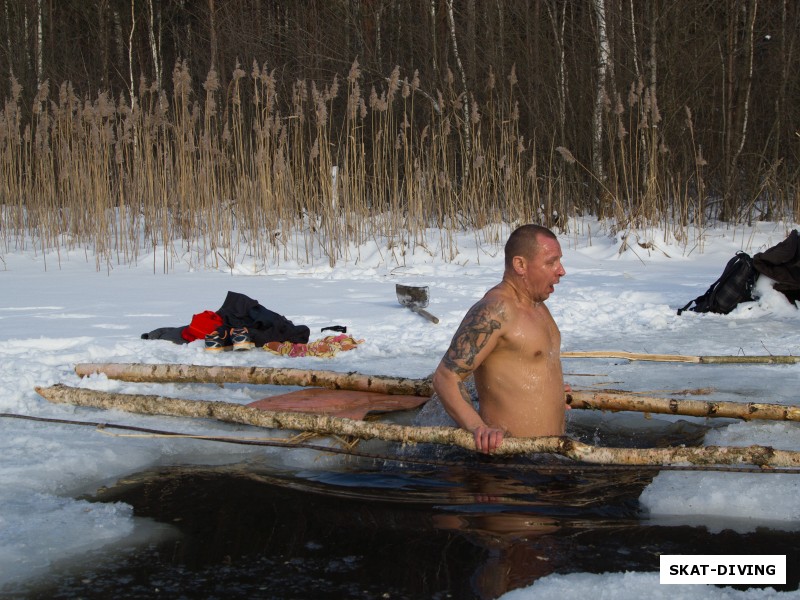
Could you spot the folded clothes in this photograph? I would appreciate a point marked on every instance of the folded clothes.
(324, 347)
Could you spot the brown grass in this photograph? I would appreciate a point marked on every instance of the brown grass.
(224, 176)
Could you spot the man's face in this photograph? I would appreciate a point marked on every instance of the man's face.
(544, 270)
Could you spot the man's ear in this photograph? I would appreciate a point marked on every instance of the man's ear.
(520, 264)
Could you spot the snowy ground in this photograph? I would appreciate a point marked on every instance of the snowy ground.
(53, 317)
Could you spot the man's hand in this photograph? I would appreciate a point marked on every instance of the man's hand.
(487, 439)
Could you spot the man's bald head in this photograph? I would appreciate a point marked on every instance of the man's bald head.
(524, 241)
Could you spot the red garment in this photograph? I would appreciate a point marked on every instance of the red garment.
(202, 324)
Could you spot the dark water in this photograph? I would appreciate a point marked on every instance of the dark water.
(472, 530)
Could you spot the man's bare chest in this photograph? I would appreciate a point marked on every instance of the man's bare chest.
(535, 337)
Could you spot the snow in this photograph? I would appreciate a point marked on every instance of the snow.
(57, 310)
(630, 586)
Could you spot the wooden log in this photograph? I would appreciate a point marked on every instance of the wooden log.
(177, 373)
(770, 359)
(763, 456)
(673, 406)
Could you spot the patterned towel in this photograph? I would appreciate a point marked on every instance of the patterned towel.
(325, 347)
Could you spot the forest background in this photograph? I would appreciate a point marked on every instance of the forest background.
(221, 130)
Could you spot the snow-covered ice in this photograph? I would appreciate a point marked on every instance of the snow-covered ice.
(57, 312)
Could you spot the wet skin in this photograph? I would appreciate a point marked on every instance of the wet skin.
(509, 341)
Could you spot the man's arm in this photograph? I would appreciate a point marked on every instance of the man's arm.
(475, 339)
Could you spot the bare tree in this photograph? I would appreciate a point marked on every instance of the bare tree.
(119, 38)
(601, 93)
(787, 50)
(212, 31)
(739, 79)
(104, 42)
(130, 53)
(465, 91)
(9, 45)
(39, 43)
(155, 42)
(558, 22)
(472, 18)
(501, 30)
(434, 45)
(635, 54)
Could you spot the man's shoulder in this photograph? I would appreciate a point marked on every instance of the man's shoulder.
(499, 293)
(497, 303)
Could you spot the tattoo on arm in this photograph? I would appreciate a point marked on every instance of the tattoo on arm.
(465, 395)
(473, 334)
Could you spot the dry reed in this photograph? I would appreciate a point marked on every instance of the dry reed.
(244, 175)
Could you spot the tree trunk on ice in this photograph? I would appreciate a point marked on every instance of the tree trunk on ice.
(173, 373)
(693, 408)
(771, 359)
(258, 375)
(325, 425)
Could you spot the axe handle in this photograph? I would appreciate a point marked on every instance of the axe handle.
(424, 313)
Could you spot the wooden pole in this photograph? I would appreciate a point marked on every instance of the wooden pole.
(177, 373)
(763, 456)
(771, 359)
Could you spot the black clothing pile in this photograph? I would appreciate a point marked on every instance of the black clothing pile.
(238, 310)
(781, 263)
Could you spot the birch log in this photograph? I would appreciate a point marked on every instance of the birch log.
(763, 456)
(694, 408)
(707, 360)
(177, 373)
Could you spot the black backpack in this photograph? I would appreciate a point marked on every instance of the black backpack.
(735, 285)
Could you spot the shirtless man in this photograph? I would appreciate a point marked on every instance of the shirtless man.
(510, 343)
